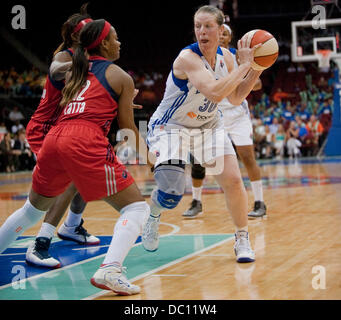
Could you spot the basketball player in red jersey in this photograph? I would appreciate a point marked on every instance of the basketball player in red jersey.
(76, 149)
(41, 122)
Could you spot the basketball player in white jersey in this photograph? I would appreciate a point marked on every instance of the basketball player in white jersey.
(187, 121)
(239, 128)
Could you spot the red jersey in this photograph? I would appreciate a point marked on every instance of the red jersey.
(96, 102)
(77, 149)
(48, 109)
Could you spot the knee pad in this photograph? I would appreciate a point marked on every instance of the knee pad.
(167, 200)
(198, 172)
(171, 182)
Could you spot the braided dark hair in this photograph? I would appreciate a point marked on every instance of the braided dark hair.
(80, 63)
(69, 27)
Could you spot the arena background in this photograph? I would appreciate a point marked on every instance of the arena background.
(151, 33)
(303, 196)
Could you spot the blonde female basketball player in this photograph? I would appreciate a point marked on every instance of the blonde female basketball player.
(198, 81)
(239, 128)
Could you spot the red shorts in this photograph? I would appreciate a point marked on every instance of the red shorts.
(35, 135)
(78, 152)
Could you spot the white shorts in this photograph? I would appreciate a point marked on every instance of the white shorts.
(238, 125)
(176, 143)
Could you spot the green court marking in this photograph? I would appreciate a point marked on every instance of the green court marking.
(73, 282)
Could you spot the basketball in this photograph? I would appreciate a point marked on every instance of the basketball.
(266, 55)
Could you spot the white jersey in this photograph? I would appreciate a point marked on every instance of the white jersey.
(225, 103)
(183, 105)
(237, 120)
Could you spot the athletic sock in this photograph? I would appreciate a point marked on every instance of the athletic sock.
(73, 219)
(127, 229)
(246, 229)
(19, 221)
(114, 264)
(155, 208)
(47, 230)
(196, 193)
(257, 189)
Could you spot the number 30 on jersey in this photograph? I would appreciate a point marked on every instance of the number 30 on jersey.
(208, 105)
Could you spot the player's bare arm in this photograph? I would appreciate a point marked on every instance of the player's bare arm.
(122, 83)
(244, 88)
(247, 84)
(190, 65)
(258, 84)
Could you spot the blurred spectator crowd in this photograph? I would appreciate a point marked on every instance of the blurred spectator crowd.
(15, 153)
(291, 114)
(295, 118)
(21, 84)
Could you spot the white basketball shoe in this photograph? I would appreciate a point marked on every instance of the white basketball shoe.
(37, 254)
(77, 234)
(110, 277)
(242, 247)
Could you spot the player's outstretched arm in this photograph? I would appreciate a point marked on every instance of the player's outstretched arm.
(258, 85)
(248, 83)
(244, 88)
(190, 66)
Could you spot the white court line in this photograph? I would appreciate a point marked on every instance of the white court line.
(48, 273)
(169, 275)
(214, 255)
(91, 247)
(148, 273)
(52, 272)
(175, 230)
(12, 254)
(17, 261)
(101, 219)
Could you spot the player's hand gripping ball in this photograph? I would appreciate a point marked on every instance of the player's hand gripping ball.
(266, 54)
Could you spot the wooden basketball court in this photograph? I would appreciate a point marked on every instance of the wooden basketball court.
(298, 246)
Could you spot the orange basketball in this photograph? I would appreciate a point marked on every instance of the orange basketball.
(266, 55)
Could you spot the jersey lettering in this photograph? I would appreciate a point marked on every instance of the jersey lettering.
(74, 107)
(78, 107)
(208, 105)
(86, 87)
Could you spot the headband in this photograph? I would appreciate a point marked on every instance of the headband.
(101, 37)
(227, 28)
(81, 24)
